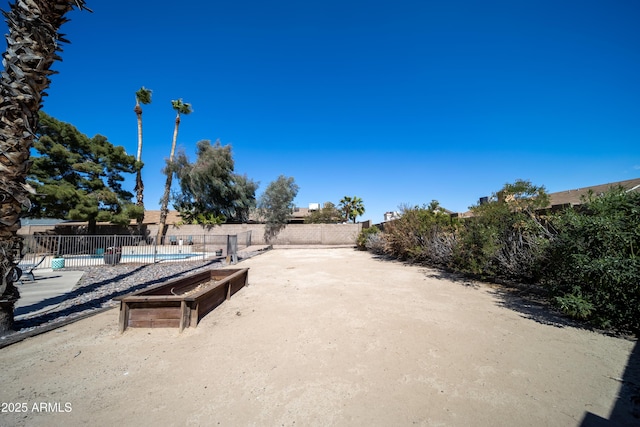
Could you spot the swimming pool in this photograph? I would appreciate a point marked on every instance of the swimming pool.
(144, 258)
(160, 257)
(133, 257)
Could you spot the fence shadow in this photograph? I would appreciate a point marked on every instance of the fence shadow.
(97, 303)
(44, 303)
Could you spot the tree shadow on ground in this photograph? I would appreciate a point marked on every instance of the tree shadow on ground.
(531, 303)
(456, 278)
(532, 306)
(527, 300)
(626, 410)
(430, 272)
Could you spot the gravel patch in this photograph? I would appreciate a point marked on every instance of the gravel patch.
(98, 287)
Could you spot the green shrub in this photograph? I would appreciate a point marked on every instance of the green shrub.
(574, 305)
(595, 255)
(478, 240)
(502, 242)
(587, 258)
(422, 234)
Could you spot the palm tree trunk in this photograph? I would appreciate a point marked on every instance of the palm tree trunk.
(164, 208)
(138, 111)
(33, 44)
(175, 137)
(139, 192)
(139, 185)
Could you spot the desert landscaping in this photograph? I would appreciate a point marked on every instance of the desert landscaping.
(325, 337)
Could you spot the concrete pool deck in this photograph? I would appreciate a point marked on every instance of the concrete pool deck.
(46, 292)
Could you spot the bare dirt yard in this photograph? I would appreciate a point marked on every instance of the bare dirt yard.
(325, 337)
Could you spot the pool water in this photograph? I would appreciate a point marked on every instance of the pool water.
(126, 257)
(135, 257)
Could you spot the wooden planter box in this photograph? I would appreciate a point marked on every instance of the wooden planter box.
(180, 303)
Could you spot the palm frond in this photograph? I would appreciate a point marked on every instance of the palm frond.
(181, 107)
(143, 95)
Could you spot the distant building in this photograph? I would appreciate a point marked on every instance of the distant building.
(563, 199)
(39, 225)
(299, 214)
(390, 216)
(153, 217)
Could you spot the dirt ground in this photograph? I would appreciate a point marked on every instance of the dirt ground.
(325, 337)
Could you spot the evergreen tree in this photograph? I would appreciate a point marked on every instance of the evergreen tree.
(276, 205)
(210, 190)
(77, 177)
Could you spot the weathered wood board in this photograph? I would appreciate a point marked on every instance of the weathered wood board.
(180, 303)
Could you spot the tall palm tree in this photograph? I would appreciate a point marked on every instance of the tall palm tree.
(143, 96)
(352, 207)
(33, 44)
(180, 108)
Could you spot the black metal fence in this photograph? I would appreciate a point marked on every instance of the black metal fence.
(78, 250)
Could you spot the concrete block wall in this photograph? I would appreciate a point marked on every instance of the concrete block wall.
(293, 234)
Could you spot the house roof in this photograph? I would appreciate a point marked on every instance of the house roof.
(300, 213)
(41, 221)
(574, 197)
(153, 217)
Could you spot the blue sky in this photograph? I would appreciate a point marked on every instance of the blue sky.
(398, 103)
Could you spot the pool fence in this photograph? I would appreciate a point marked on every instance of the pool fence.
(83, 250)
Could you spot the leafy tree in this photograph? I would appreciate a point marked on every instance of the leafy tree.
(143, 96)
(351, 207)
(523, 196)
(276, 205)
(329, 214)
(33, 44)
(180, 108)
(78, 177)
(210, 191)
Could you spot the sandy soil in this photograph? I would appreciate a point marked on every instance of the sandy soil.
(326, 337)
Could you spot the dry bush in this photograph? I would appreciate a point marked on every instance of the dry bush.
(376, 243)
